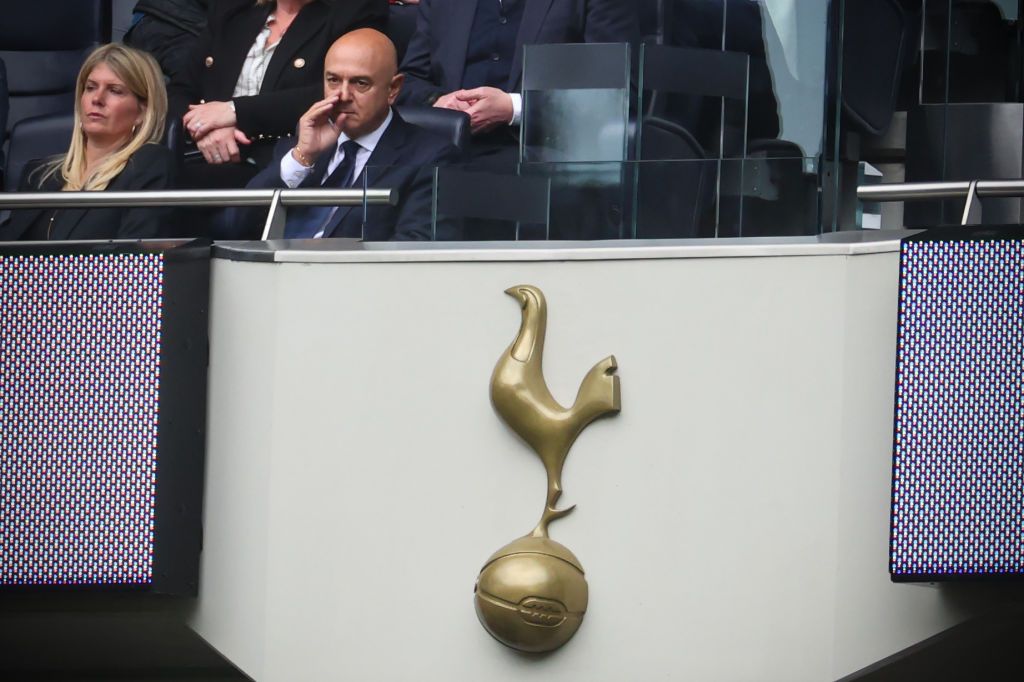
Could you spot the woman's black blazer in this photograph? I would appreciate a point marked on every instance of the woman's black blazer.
(150, 168)
(294, 78)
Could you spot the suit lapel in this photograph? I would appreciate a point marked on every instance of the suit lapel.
(246, 27)
(67, 219)
(455, 43)
(304, 28)
(386, 155)
(529, 30)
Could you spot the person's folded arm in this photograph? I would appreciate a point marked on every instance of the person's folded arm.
(274, 113)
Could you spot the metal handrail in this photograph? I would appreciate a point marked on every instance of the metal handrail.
(972, 191)
(908, 191)
(276, 199)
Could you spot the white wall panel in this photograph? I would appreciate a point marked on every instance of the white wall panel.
(732, 521)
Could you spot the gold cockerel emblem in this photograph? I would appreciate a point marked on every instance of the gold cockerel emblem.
(532, 594)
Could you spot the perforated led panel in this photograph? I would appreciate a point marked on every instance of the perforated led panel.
(958, 470)
(102, 402)
(79, 381)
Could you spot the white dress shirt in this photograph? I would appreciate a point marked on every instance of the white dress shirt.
(293, 172)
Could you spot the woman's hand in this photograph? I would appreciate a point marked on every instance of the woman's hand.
(202, 119)
(221, 145)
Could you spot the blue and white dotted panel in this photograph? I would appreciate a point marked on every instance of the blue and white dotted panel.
(958, 476)
(79, 386)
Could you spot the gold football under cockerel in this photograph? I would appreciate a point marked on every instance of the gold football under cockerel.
(532, 593)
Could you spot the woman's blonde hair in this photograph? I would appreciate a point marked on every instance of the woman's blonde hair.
(141, 75)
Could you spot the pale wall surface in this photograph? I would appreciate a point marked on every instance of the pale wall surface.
(732, 520)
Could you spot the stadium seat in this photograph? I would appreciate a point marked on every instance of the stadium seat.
(453, 125)
(653, 17)
(493, 206)
(693, 74)
(3, 114)
(43, 43)
(877, 38)
(671, 197)
(35, 138)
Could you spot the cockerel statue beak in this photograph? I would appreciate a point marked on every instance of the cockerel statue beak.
(519, 294)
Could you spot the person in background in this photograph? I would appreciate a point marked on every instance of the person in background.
(352, 132)
(468, 55)
(120, 109)
(253, 73)
(168, 30)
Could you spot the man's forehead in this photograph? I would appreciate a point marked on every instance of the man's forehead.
(344, 71)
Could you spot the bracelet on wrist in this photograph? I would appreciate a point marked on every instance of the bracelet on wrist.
(301, 158)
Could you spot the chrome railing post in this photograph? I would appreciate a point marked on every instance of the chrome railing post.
(274, 227)
(972, 207)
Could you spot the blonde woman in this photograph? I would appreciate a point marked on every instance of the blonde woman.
(120, 109)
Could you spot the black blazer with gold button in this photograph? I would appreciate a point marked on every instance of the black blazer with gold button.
(294, 77)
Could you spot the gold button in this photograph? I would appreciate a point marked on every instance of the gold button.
(299, 63)
(209, 62)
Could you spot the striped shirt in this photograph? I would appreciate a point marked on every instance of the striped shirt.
(250, 79)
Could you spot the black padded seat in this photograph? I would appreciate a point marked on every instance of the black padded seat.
(3, 114)
(453, 125)
(43, 44)
(36, 138)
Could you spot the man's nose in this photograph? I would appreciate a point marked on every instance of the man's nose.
(345, 92)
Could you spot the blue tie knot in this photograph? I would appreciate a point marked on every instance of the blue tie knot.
(350, 148)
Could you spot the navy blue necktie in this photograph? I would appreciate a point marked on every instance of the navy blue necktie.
(306, 222)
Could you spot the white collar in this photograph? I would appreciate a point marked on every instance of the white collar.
(369, 140)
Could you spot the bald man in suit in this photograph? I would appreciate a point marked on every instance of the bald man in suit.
(353, 137)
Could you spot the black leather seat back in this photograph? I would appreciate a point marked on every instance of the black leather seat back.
(452, 125)
(43, 43)
(36, 138)
(652, 17)
(3, 112)
(876, 36)
(671, 196)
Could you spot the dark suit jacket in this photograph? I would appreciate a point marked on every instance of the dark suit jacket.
(150, 168)
(436, 58)
(404, 159)
(294, 78)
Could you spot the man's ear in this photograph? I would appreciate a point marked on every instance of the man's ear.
(395, 87)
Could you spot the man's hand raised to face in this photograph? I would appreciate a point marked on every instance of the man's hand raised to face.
(318, 130)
